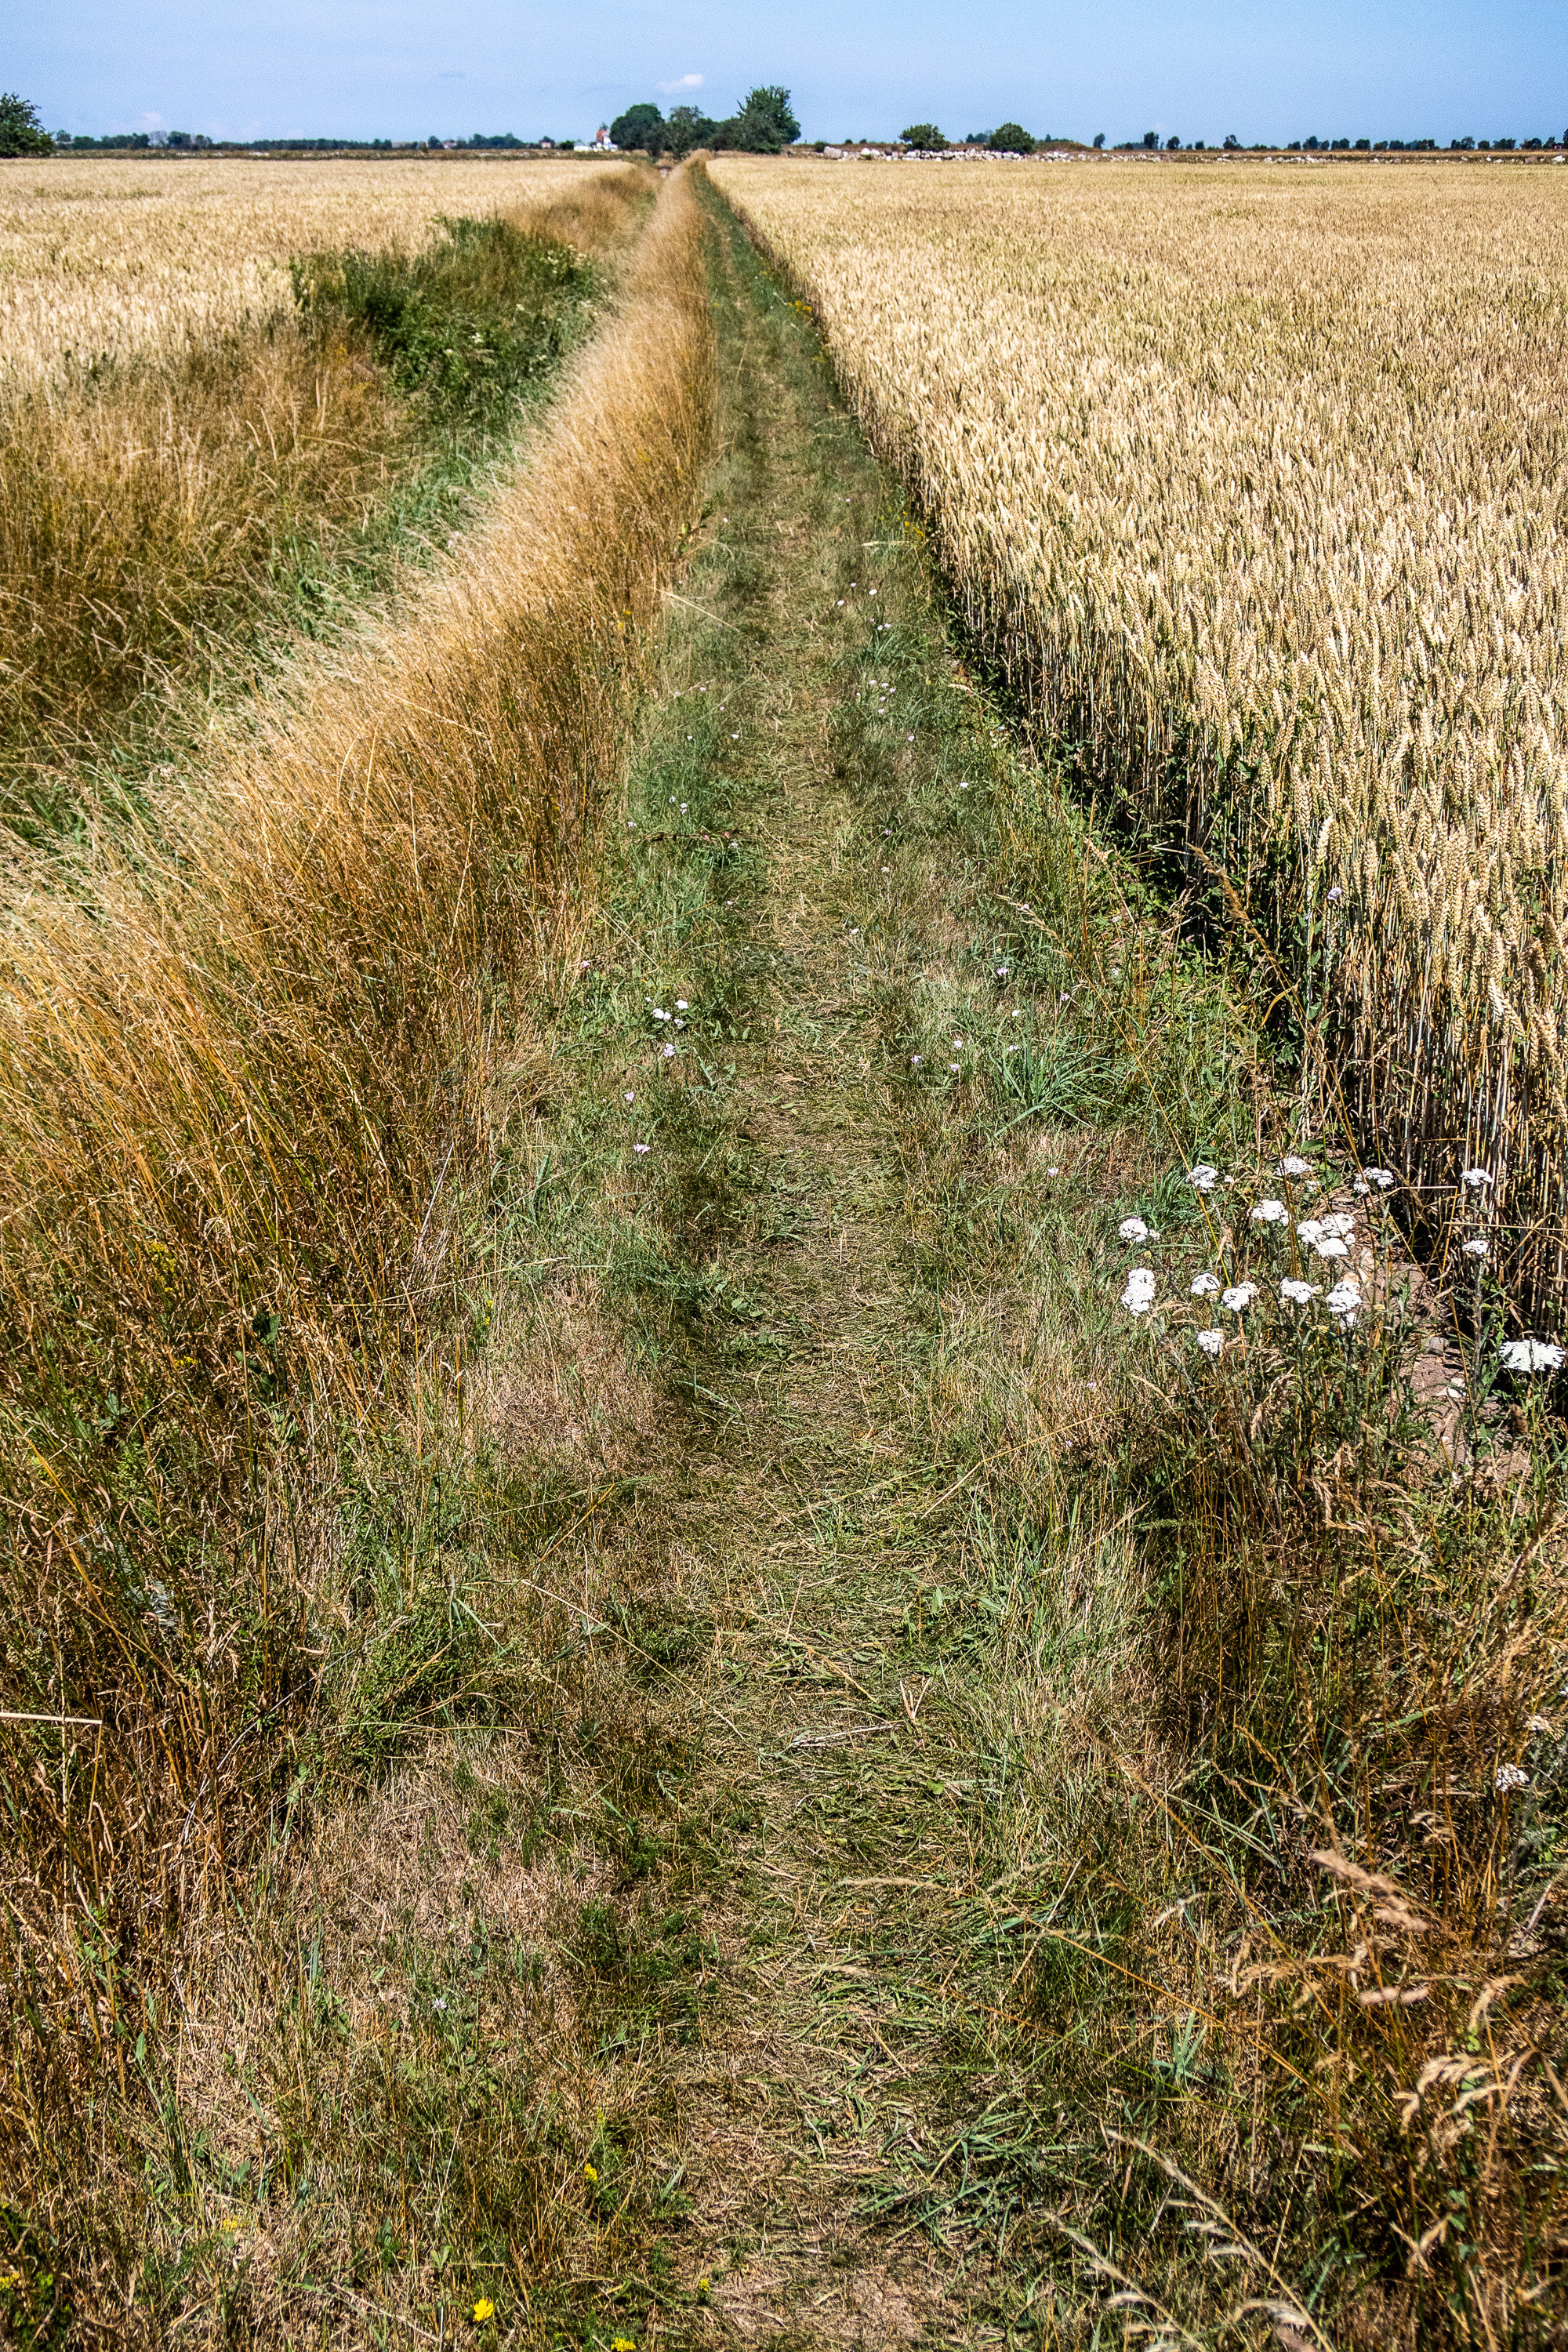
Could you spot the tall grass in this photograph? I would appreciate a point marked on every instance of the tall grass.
(242, 1062)
(150, 503)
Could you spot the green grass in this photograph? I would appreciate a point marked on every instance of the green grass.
(813, 1821)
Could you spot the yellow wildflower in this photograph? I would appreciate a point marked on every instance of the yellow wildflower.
(484, 2309)
(589, 2174)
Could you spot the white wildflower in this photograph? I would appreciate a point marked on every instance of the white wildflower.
(1330, 1245)
(1240, 1297)
(1293, 1165)
(1139, 1296)
(1133, 1229)
(1477, 1178)
(1538, 1723)
(1531, 1356)
(1297, 1293)
(1211, 1343)
(1204, 1286)
(1340, 1226)
(1335, 894)
(628, 1098)
(681, 1005)
(1508, 1778)
(1271, 1212)
(1383, 1178)
(1202, 1178)
(1343, 1302)
(1474, 1247)
(640, 1147)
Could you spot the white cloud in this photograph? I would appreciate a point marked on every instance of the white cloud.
(687, 81)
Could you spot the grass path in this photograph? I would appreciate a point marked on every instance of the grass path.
(814, 1516)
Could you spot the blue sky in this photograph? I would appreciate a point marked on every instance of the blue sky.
(1265, 69)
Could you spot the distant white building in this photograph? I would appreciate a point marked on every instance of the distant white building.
(602, 138)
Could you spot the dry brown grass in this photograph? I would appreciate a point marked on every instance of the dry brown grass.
(245, 1062)
(153, 498)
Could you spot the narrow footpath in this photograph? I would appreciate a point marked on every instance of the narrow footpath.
(845, 1546)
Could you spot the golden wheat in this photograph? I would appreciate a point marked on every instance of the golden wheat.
(111, 259)
(1254, 479)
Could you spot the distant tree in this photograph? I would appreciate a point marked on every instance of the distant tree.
(687, 129)
(1171, 144)
(1231, 141)
(768, 116)
(640, 126)
(1150, 139)
(977, 137)
(1100, 138)
(922, 134)
(1011, 138)
(21, 131)
(1364, 146)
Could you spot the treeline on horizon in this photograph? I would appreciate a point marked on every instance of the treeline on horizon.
(764, 123)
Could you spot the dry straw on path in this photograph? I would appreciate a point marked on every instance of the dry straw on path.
(1253, 479)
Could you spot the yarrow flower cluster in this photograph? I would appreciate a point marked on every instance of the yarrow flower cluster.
(1139, 1296)
(1271, 1212)
(1202, 1178)
(1474, 1247)
(1294, 1165)
(1133, 1229)
(1205, 1285)
(1297, 1293)
(1238, 1297)
(1211, 1343)
(1343, 1302)
(1531, 1356)
(1508, 1778)
(1477, 1178)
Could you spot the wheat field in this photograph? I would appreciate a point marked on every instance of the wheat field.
(123, 259)
(1253, 480)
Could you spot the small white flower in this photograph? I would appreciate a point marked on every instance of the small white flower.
(1477, 1178)
(1343, 1302)
(439, 2002)
(1538, 1723)
(1202, 1178)
(1474, 1247)
(1531, 1356)
(1309, 1228)
(1017, 1012)
(1291, 1165)
(1506, 1777)
(681, 1005)
(1053, 1171)
(1335, 894)
(953, 1066)
(1271, 1212)
(629, 1097)
(1211, 1343)
(1003, 969)
(1360, 1188)
(1240, 1297)
(1330, 1245)
(1340, 1226)
(958, 1041)
(914, 1059)
(659, 1013)
(667, 1054)
(1204, 1286)
(1133, 1229)
(1295, 1293)
(640, 1147)
(1383, 1177)
(1139, 1296)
